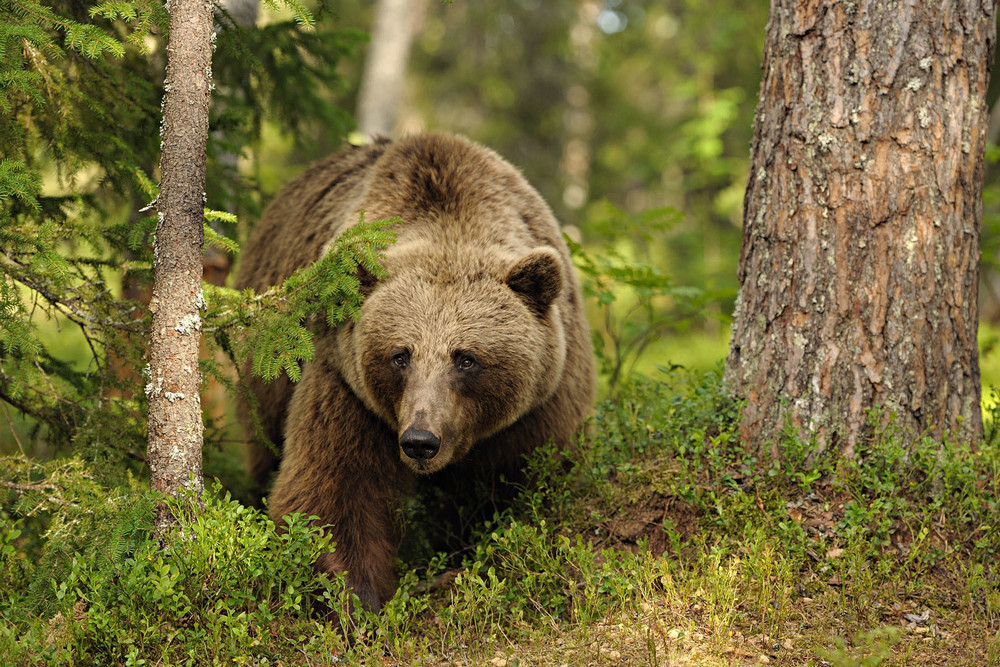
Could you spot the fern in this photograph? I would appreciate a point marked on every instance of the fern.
(628, 290)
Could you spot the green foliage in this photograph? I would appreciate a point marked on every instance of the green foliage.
(867, 649)
(282, 74)
(637, 302)
(658, 522)
(215, 239)
(80, 90)
(62, 514)
(224, 577)
(571, 580)
(650, 109)
(226, 586)
(273, 326)
(661, 528)
(56, 124)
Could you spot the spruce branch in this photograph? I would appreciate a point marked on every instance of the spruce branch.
(10, 425)
(28, 487)
(67, 306)
(275, 336)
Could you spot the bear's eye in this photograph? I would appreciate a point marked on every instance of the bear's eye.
(464, 362)
(401, 359)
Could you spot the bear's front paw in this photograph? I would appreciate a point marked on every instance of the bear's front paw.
(372, 591)
(367, 597)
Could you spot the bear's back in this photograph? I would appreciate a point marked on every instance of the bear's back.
(452, 188)
(448, 192)
(297, 226)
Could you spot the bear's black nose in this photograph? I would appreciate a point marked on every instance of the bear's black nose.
(419, 444)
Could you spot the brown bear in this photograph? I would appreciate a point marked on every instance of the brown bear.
(473, 348)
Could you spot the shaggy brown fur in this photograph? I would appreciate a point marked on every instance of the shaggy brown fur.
(475, 344)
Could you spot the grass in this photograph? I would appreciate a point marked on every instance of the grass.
(663, 543)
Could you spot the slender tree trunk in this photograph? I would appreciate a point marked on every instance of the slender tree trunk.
(385, 66)
(860, 260)
(175, 423)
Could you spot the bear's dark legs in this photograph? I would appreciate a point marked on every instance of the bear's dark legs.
(366, 535)
(341, 465)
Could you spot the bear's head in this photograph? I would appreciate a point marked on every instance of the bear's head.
(451, 349)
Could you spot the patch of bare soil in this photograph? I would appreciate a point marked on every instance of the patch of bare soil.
(644, 522)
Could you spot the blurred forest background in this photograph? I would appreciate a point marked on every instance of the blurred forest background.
(632, 118)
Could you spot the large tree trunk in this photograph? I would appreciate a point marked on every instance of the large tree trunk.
(175, 424)
(859, 268)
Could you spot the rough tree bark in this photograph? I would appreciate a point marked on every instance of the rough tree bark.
(175, 422)
(385, 66)
(859, 267)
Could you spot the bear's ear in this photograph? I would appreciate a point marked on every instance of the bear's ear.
(537, 278)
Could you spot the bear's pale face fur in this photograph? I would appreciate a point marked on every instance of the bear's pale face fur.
(456, 350)
(474, 347)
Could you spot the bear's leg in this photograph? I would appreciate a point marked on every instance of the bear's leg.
(341, 464)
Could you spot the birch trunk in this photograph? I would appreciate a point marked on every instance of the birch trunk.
(385, 66)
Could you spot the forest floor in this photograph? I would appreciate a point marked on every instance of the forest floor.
(659, 541)
(759, 606)
(668, 544)
(751, 600)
